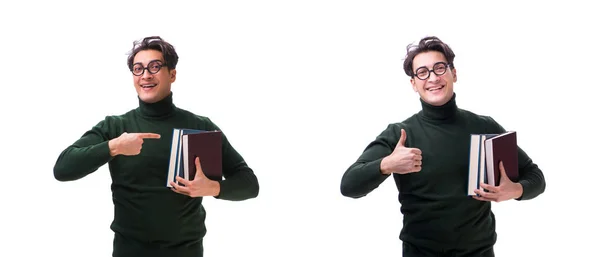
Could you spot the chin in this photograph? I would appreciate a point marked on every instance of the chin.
(148, 98)
(437, 100)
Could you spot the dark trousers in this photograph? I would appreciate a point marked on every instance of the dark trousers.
(128, 247)
(411, 250)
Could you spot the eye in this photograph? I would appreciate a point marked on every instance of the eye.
(440, 69)
(421, 72)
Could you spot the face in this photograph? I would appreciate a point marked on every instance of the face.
(150, 87)
(436, 89)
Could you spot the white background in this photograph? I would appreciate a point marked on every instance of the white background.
(300, 88)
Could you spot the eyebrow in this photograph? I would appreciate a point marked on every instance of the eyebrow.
(149, 61)
(436, 63)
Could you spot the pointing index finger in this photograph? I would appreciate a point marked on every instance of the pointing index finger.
(149, 135)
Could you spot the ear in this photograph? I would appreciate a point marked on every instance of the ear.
(414, 86)
(173, 75)
(454, 74)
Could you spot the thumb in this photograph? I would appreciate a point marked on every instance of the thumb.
(402, 140)
(199, 172)
(502, 172)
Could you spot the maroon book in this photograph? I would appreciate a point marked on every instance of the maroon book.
(502, 147)
(207, 146)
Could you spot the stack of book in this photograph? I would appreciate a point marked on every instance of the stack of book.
(186, 145)
(487, 150)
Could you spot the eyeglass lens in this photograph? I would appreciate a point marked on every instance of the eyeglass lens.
(153, 68)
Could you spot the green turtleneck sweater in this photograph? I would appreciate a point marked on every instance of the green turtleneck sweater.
(437, 212)
(146, 211)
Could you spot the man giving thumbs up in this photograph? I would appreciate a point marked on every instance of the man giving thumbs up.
(428, 156)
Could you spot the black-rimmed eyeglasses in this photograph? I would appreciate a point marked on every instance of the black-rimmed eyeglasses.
(439, 69)
(153, 67)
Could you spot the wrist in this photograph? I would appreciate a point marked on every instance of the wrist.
(113, 146)
(519, 190)
(216, 188)
(384, 167)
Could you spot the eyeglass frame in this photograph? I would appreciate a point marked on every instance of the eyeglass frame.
(160, 64)
(446, 66)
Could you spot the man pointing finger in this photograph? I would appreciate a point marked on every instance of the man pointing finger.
(150, 219)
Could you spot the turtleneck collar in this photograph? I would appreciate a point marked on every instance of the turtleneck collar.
(160, 109)
(445, 112)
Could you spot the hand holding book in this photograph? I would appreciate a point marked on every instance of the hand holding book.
(198, 187)
(186, 145)
(506, 190)
(487, 150)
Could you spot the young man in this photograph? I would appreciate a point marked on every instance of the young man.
(150, 218)
(428, 156)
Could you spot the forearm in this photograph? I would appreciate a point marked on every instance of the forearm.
(239, 186)
(362, 178)
(365, 175)
(76, 162)
(533, 182)
(240, 182)
(530, 177)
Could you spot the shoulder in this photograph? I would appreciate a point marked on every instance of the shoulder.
(119, 118)
(201, 121)
(482, 120)
(407, 123)
(111, 119)
(393, 130)
(115, 124)
(470, 115)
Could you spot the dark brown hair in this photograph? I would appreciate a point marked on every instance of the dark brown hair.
(154, 43)
(426, 44)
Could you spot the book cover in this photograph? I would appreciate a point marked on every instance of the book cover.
(502, 147)
(183, 152)
(207, 146)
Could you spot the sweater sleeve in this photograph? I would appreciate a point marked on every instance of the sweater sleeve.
(531, 176)
(85, 155)
(364, 175)
(240, 182)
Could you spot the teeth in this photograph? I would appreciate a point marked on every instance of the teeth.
(435, 88)
(147, 86)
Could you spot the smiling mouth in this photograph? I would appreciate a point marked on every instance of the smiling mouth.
(148, 86)
(435, 89)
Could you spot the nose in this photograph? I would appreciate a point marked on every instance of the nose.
(433, 77)
(146, 75)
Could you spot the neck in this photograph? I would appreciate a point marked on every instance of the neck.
(443, 112)
(159, 109)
